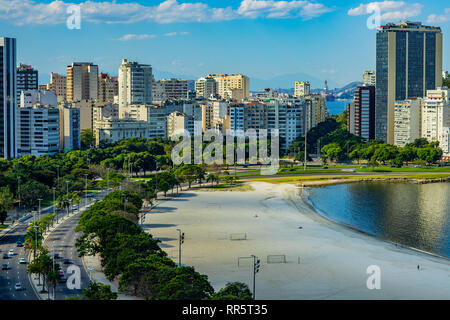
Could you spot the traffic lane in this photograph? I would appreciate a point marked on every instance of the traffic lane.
(63, 240)
(16, 273)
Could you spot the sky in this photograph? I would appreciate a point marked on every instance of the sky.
(264, 39)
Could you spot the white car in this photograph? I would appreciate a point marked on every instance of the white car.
(22, 261)
(11, 252)
(74, 207)
(18, 286)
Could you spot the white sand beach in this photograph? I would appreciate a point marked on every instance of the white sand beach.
(324, 260)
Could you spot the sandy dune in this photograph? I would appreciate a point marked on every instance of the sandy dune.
(324, 260)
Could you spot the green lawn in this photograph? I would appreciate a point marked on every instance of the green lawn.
(297, 179)
(433, 169)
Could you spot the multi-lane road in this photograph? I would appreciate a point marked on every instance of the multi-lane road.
(63, 239)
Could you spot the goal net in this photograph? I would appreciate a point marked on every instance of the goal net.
(238, 236)
(276, 258)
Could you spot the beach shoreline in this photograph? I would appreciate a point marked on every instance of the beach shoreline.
(325, 260)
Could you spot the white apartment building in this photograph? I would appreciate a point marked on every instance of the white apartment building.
(155, 117)
(302, 89)
(436, 118)
(102, 112)
(407, 115)
(30, 98)
(135, 84)
(177, 121)
(37, 130)
(369, 78)
(205, 87)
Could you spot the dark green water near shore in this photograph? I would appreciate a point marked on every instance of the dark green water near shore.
(414, 215)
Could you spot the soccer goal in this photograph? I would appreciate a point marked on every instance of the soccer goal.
(238, 236)
(276, 258)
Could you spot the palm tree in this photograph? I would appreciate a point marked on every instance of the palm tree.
(212, 178)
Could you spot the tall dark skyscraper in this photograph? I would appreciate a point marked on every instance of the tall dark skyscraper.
(27, 79)
(409, 62)
(8, 94)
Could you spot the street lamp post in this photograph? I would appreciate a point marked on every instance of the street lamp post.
(180, 242)
(55, 212)
(67, 195)
(85, 177)
(256, 265)
(39, 215)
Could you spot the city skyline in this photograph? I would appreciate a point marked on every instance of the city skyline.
(175, 37)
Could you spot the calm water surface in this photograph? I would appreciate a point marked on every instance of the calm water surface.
(415, 215)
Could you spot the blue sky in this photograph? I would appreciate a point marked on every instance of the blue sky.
(263, 39)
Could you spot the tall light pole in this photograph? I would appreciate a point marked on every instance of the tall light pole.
(39, 216)
(256, 265)
(18, 190)
(156, 182)
(67, 195)
(55, 212)
(85, 177)
(306, 136)
(180, 242)
(53, 263)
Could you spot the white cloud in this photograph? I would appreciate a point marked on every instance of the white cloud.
(131, 36)
(281, 9)
(172, 34)
(24, 12)
(439, 18)
(390, 10)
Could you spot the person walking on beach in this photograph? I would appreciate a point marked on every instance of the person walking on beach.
(418, 267)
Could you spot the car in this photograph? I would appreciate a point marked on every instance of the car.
(11, 252)
(74, 207)
(56, 256)
(4, 267)
(22, 261)
(19, 244)
(18, 286)
(88, 207)
(62, 276)
(66, 261)
(26, 245)
(89, 194)
(5, 256)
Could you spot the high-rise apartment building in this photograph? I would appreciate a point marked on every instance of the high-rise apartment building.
(8, 98)
(436, 118)
(82, 81)
(174, 89)
(407, 121)
(234, 86)
(58, 85)
(135, 84)
(205, 87)
(38, 130)
(409, 62)
(108, 87)
(27, 79)
(178, 121)
(369, 78)
(302, 89)
(69, 128)
(361, 118)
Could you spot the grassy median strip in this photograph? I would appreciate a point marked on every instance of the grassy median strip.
(346, 178)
